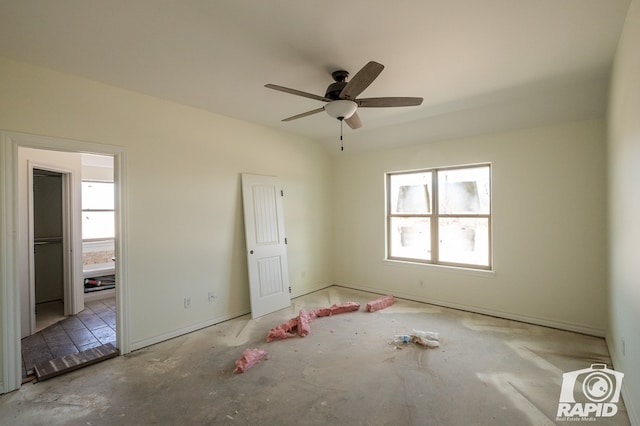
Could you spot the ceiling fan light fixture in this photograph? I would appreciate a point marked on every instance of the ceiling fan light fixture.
(341, 109)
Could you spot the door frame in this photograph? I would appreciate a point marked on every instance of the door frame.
(73, 298)
(10, 237)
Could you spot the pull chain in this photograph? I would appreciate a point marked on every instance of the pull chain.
(341, 143)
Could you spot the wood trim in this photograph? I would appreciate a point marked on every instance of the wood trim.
(10, 347)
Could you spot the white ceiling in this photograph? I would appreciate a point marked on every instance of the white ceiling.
(481, 65)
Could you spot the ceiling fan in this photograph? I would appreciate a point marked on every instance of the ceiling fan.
(342, 96)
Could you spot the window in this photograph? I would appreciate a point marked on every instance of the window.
(440, 216)
(98, 218)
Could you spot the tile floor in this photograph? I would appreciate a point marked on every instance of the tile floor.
(94, 326)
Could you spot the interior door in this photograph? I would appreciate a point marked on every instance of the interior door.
(266, 244)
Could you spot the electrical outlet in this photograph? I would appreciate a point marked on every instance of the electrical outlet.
(212, 296)
(187, 302)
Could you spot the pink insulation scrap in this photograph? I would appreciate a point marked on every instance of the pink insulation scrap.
(284, 330)
(336, 309)
(380, 303)
(304, 318)
(287, 329)
(249, 358)
(301, 323)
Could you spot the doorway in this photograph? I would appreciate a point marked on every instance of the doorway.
(63, 323)
(50, 276)
(16, 244)
(50, 240)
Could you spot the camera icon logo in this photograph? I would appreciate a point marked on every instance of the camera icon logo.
(593, 391)
(598, 387)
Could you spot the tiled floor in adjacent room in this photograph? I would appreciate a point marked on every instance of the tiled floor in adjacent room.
(94, 326)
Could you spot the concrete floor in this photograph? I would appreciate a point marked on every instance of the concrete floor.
(487, 371)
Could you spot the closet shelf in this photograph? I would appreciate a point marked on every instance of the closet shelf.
(46, 240)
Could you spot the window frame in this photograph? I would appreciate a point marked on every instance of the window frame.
(434, 217)
(113, 211)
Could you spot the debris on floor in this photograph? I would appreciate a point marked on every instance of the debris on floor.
(428, 339)
(300, 324)
(249, 358)
(431, 335)
(55, 367)
(380, 303)
(426, 342)
(284, 331)
(304, 318)
(336, 309)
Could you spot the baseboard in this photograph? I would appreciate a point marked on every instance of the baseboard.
(186, 330)
(577, 328)
(296, 294)
(198, 326)
(630, 403)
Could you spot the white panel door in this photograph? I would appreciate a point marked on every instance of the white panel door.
(266, 245)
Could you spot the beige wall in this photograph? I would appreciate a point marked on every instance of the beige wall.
(549, 226)
(184, 216)
(624, 211)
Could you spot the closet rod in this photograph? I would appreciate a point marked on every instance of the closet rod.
(43, 241)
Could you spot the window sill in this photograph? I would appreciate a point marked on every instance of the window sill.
(97, 241)
(487, 273)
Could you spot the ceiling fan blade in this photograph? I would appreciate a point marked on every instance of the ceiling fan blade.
(297, 92)
(361, 80)
(304, 114)
(354, 121)
(388, 102)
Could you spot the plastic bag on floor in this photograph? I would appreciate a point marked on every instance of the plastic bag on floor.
(429, 339)
(423, 341)
(431, 335)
